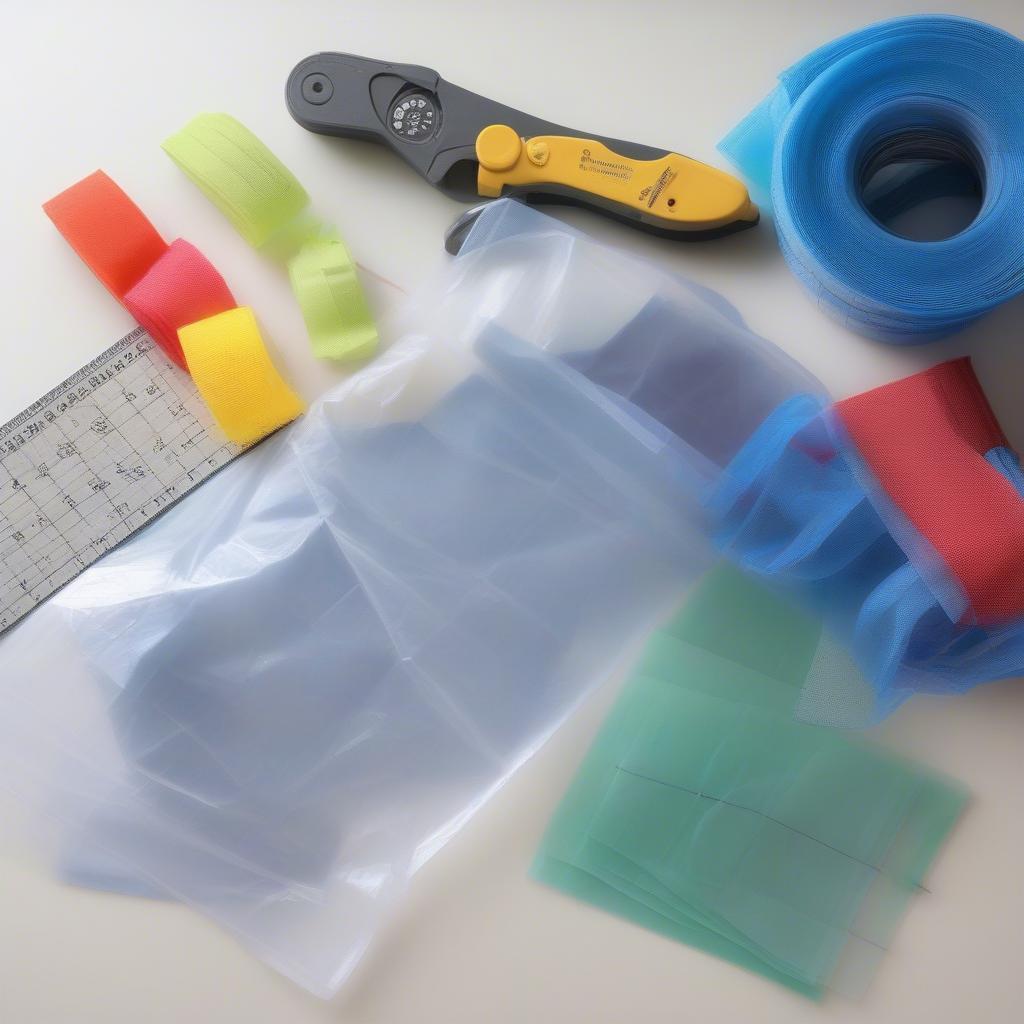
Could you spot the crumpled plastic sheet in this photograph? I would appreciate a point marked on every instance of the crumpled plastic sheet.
(704, 812)
(286, 694)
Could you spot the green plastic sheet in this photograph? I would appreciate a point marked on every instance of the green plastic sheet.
(706, 812)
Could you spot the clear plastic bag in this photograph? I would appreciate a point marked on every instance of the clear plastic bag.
(285, 695)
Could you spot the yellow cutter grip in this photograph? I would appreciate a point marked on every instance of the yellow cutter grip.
(673, 193)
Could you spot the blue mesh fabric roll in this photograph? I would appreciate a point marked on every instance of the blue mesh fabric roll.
(940, 84)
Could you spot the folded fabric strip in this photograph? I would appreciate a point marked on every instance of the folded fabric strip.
(233, 372)
(176, 294)
(885, 515)
(917, 95)
(163, 286)
(704, 812)
(268, 207)
(181, 288)
(936, 449)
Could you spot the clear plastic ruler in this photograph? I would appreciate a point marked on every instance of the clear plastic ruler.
(93, 461)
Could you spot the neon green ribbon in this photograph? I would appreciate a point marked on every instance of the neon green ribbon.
(268, 207)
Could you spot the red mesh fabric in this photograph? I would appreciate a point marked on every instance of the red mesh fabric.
(163, 287)
(109, 232)
(180, 288)
(925, 439)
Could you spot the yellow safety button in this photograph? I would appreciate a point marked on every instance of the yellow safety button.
(498, 147)
(538, 152)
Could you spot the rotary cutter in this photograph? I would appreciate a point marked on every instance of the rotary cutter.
(469, 146)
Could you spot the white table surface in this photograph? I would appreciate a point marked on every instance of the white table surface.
(99, 84)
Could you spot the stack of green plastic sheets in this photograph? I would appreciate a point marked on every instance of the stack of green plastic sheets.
(706, 812)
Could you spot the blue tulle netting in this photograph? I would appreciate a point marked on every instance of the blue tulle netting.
(946, 89)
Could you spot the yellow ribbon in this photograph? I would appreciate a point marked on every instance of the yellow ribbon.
(232, 369)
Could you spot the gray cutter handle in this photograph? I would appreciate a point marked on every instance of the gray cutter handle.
(345, 95)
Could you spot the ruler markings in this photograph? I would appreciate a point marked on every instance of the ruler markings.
(93, 460)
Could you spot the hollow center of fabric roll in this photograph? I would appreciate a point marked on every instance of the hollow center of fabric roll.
(925, 183)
